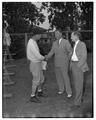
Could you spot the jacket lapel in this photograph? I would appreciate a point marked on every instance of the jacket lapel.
(60, 42)
(77, 50)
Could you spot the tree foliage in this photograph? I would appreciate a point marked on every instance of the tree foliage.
(87, 15)
(21, 15)
(71, 15)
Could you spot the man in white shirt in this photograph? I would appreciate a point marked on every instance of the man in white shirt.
(78, 66)
(35, 58)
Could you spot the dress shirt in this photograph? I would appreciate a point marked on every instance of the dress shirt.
(33, 53)
(60, 41)
(74, 56)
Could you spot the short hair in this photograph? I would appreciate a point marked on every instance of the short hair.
(77, 33)
(36, 34)
(59, 30)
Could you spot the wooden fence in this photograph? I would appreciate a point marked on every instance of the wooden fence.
(20, 40)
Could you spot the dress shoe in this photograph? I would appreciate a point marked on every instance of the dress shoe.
(75, 105)
(35, 99)
(41, 94)
(60, 92)
(69, 95)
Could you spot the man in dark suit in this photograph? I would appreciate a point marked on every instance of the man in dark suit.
(78, 66)
(62, 50)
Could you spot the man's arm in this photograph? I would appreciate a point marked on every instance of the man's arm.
(83, 58)
(69, 49)
(51, 53)
(36, 52)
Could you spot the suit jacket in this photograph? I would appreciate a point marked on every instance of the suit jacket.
(81, 53)
(62, 53)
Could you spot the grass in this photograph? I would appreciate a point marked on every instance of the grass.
(52, 106)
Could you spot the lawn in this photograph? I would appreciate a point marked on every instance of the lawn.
(52, 106)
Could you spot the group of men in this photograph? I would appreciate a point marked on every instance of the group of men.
(66, 59)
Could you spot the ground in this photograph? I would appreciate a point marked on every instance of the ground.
(53, 105)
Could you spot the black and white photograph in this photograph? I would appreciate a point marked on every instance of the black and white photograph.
(47, 59)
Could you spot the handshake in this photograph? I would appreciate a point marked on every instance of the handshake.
(45, 57)
(44, 63)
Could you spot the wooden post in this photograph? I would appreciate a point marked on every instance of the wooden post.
(67, 35)
(26, 39)
(25, 42)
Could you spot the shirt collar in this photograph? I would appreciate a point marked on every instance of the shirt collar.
(60, 39)
(77, 42)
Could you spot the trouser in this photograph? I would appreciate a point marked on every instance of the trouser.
(38, 77)
(77, 74)
(63, 80)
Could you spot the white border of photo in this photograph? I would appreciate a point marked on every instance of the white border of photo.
(94, 56)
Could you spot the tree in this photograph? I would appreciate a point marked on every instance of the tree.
(71, 15)
(87, 15)
(21, 15)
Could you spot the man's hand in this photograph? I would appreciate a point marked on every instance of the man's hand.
(46, 57)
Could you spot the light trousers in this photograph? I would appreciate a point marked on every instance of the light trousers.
(63, 80)
(38, 77)
(77, 74)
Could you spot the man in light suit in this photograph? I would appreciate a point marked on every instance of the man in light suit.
(78, 66)
(62, 50)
